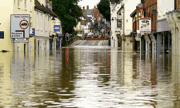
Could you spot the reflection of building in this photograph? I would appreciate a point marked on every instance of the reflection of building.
(114, 64)
(128, 73)
(6, 98)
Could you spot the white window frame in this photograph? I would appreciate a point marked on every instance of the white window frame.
(30, 4)
(18, 3)
(25, 4)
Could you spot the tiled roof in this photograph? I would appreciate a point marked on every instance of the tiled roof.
(44, 9)
(89, 12)
(133, 13)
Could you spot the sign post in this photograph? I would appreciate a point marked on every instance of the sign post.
(20, 29)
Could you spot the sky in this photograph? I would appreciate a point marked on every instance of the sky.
(91, 3)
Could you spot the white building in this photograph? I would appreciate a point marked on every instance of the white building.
(163, 28)
(120, 11)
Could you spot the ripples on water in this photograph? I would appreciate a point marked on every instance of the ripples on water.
(88, 78)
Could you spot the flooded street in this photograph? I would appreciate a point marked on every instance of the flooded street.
(88, 78)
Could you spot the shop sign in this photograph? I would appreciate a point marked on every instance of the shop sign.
(145, 25)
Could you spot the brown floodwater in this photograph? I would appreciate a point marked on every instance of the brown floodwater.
(88, 77)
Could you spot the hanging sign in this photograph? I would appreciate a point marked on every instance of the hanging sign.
(145, 25)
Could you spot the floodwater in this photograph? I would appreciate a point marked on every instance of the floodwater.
(88, 78)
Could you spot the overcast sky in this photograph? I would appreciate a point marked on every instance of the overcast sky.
(91, 3)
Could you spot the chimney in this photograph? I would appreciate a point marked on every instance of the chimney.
(87, 7)
(47, 1)
(83, 8)
(50, 3)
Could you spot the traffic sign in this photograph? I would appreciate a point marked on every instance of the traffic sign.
(67, 36)
(20, 26)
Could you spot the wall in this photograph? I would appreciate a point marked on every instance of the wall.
(129, 7)
(25, 8)
(127, 44)
(149, 5)
(6, 9)
(164, 6)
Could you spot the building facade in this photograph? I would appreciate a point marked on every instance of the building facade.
(164, 31)
(40, 12)
(121, 22)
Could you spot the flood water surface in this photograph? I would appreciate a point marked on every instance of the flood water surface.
(88, 78)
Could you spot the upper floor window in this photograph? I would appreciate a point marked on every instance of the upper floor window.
(18, 2)
(25, 4)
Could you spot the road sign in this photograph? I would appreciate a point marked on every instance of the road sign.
(56, 28)
(67, 36)
(20, 26)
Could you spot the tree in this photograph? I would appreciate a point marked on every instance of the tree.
(104, 8)
(69, 13)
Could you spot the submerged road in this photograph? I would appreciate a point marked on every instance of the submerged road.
(88, 77)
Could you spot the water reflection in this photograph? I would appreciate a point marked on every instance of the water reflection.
(89, 78)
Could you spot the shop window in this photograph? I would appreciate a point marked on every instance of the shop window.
(1, 34)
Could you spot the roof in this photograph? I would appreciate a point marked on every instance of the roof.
(89, 12)
(133, 13)
(44, 9)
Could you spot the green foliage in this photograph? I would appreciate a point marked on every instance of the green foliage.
(69, 13)
(104, 8)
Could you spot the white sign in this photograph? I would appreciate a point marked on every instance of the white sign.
(145, 25)
(20, 25)
(20, 40)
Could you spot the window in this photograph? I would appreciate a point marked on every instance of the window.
(42, 22)
(1, 34)
(25, 4)
(144, 12)
(37, 19)
(18, 3)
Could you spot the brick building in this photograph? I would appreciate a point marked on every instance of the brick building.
(144, 41)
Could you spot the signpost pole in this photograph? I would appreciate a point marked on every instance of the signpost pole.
(13, 50)
(28, 49)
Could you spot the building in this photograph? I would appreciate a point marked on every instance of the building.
(14, 7)
(41, 24)
(121, 22)
(90, 18)
(173, 20)
(81, 26)
(164, 31)
(145, 40)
